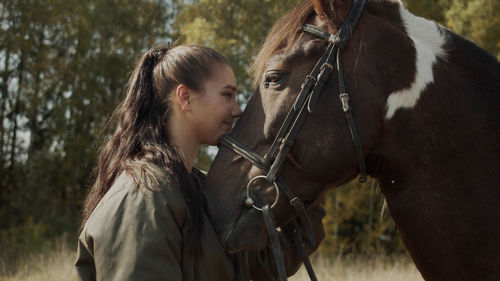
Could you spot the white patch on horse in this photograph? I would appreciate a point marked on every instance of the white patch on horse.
(428, 41)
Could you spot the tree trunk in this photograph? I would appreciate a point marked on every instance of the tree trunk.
(20, 70)
(3, 101)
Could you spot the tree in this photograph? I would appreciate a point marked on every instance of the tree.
(476, 20)
(64, 65)
(430, 9)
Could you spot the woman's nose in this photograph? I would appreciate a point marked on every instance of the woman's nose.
(236, 111)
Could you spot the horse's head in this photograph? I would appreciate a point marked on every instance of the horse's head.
(377, 60)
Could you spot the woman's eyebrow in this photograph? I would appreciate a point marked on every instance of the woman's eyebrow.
(231, 87)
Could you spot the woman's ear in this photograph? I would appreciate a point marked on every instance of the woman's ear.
(183, 97)
(334, 10)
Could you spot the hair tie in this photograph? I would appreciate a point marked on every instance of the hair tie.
(158, 53)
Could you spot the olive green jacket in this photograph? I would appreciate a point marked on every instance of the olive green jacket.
(136, 233)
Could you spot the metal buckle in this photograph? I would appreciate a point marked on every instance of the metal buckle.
(323, 68)
(333, 39)
(327, 65)
(344, 98)
(251, 203)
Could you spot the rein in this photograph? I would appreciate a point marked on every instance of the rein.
(304, 105)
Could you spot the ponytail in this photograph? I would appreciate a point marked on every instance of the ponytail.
(140, 141)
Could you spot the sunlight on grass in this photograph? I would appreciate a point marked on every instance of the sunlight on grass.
(51, 265)
(355, 269)
(57, 265)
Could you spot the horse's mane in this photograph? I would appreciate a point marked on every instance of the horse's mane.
(476, 56)
(282, 36)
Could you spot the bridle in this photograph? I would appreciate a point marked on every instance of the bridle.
(304, 105)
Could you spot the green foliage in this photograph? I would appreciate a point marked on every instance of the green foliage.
(358, 223)
(64, 64)
(430, 9)
(27, 237)
(478, 21)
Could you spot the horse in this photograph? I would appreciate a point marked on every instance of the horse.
(426, 105)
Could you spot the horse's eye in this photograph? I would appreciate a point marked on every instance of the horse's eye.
(273, 77)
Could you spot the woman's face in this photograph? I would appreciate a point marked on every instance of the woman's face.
(214, 107)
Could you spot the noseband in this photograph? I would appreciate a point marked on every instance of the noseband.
(304, 105)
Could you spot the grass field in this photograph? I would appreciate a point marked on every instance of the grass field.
(51, 265)
(355, 269)
(57, 265)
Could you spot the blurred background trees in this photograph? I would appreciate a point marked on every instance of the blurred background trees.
(64, 65)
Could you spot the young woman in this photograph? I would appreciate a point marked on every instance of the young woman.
(144, 218)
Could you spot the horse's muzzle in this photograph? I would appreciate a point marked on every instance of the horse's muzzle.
(247, 233)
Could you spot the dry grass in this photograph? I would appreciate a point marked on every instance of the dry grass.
(51, 265)
(57, 265)
(354, 269)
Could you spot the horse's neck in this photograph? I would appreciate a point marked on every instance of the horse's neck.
(438, 165)
(470, 66)
(444, 201)
(452, 234)
(438, 161)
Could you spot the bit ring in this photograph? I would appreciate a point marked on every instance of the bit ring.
(251, 203)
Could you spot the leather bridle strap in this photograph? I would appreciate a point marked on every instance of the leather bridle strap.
(299, 243)
(245, 152)
(306, 107)
(349, 23)
(344, 99)
(276, 246)
(294, 120)
(304, 104)
(299, 206)
(271, 163)
(275, 242)
(307, 99)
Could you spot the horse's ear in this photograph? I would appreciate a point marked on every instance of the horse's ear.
(335, 10)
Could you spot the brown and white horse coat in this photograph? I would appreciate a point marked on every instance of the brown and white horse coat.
(427, 105)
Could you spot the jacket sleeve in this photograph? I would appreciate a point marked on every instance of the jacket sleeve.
(261, 264)
(136, 235)
(85, 266)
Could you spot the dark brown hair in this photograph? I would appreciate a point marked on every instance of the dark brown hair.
(140, 144)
